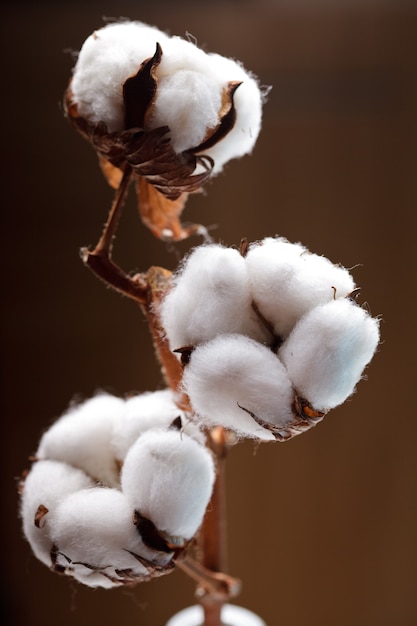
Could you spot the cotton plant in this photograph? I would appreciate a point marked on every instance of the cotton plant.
(256, 341)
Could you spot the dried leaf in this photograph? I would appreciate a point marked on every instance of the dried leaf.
(160, 214)
(112, 174)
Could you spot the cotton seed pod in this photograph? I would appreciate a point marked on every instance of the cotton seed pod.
(168, 479)
(327, 351)
(210, 295)
(145, 411)
(96, 541)
(46, 485)
(82, 437)
(164, 111)
(191, 89)
(287, 281)
(233, 376)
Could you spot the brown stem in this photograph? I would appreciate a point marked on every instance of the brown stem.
(217, 584)
(104, 246)
(213, 535)
(158, 282)
(99, 260)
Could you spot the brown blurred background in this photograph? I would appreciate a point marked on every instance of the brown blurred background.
(322, 529)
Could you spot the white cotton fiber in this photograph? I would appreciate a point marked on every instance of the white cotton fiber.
(106, 60)
(47, 484)
(168, 478)
(145, 411)
(287, 281)
(233, 371)
(328, 350)
(82, 437)
(95, 536)
(210, 296)
(191, 89)
(189, 103)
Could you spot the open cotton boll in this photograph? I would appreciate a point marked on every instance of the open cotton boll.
(190, 98)
(47, 484)
(82, 437)
(96, 539)
(287, 281)
(107, 58)
(210, 296)
(168, 479)
(145, 411)
(327, 351)
(233, 371)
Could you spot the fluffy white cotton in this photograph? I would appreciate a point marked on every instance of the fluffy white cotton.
(287, 281)
(248, 107)
(210, 296)
(82, 437)
(168, 478)
(47, 484)
(107, 58)
(96, 538)
(328, 350)
(190, 92)
(145, 411)
(233, 371)
(189, 103)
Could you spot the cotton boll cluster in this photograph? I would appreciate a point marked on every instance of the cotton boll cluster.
(270, 336)
(118, 489)
(192, 94)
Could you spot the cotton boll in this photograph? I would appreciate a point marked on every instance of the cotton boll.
(287, 281)
(82, 437)
(210, 296)
(328, 350)
(233, 371)
(47, 484)
(145, 411)
(168, 479)
(106, 60)
(191, 89)
(97, 541)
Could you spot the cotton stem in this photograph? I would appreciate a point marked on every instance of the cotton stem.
(99, 260)
(213, 535)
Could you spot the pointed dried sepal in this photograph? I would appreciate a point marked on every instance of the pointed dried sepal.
(227, 120)
(139, 91)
